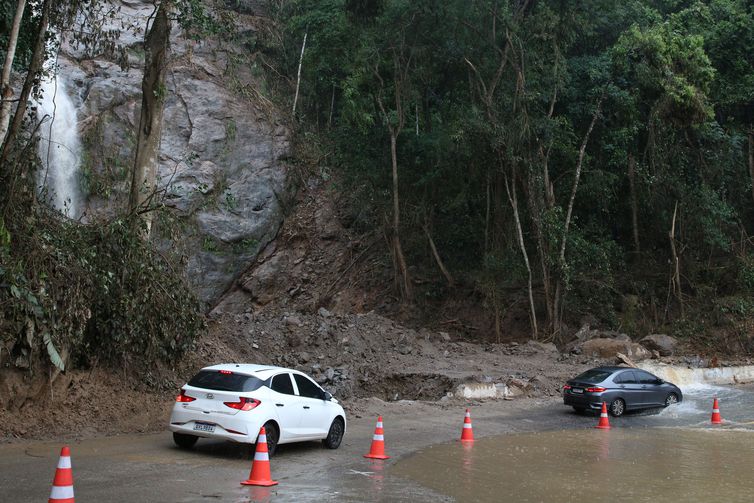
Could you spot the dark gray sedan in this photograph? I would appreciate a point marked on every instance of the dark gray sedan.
(621, 388)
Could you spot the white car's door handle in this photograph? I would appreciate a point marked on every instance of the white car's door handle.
(306, 406)
(280, 404)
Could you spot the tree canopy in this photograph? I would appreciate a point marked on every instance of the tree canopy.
(571, 150)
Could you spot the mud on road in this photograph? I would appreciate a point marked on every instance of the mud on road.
(149, 468)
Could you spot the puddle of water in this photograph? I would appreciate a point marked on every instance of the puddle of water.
(656, 465)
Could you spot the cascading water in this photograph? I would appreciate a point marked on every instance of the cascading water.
(59, 147)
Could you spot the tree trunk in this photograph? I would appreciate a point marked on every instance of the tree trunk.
(153, 90)
(751, 157)
(35, 67)
(298, 77)
(676, 277)
(512, 198)
(402, 268)
(634, 204)
(535, 198)
(576, 178)
(437, 258)
(487, 216)
(559, 286)
(6, 92)
(332, 107)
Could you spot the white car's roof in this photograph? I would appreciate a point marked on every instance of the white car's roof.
(262, 371)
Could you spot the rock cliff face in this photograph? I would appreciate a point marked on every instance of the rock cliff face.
(222, 162)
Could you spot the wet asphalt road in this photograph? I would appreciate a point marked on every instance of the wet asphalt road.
(149, 468)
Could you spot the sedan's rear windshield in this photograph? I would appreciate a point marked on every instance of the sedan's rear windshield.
(593, 376)
(225, 381)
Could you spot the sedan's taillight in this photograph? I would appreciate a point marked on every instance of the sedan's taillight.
(183, 397)
(566, 387)
(596, 390)
(243, 403)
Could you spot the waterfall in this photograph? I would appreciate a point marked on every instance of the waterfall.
(59, 147)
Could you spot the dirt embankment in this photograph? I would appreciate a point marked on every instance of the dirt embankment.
(355, 356)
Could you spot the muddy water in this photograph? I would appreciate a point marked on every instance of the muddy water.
(641, 464)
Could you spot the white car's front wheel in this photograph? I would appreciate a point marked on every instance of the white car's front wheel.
(335, 435)
(273, 435)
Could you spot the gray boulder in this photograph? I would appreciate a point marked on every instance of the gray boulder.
(663, 344)
(609, 348)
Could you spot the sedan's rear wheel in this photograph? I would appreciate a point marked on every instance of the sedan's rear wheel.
(335, 435)
(671, 399)
(617, 407)
(273, 435)
(184, 441)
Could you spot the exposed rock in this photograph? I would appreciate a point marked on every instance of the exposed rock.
(293, 321)
(585, 334)
(545, 347)
(221, 163)
(260, 283)
(609, 348)
(663, 344)
(519, 387)
(543, 385)
(623, 359)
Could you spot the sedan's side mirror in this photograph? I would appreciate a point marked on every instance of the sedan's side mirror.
(327, 396)
(659, 381)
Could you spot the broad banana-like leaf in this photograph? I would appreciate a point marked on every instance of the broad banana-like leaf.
(53, 353)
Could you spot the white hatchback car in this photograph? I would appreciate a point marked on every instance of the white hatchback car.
(233, 401)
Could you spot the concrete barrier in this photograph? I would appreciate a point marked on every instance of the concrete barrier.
(477, 390)
(682, 376)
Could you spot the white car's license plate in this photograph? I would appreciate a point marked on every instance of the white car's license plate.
(577, 390)
(209, 428)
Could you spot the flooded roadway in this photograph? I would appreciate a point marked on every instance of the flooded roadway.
(672, 456)
(527, 450)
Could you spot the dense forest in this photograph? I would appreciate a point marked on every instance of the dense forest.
(570, 157)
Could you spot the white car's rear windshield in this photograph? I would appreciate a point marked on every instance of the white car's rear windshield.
(225, 380)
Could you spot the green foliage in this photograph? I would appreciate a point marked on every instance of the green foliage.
(746, 273)
(95, 293)
(132, 277)
(494, 106)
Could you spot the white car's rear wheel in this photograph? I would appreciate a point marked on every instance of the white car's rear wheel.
(184, 441)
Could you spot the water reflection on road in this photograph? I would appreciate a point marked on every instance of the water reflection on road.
(671, 456)
(658, 465)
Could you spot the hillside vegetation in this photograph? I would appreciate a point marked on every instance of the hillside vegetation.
(544, 159)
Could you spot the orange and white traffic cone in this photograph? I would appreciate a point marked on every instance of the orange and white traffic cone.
(467, 434)
(62, 486)
(260, 467)
(377, 451)
(716, 419)
(604, 424)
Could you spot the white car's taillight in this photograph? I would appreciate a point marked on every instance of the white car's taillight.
(243, 403)
(183, 397)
